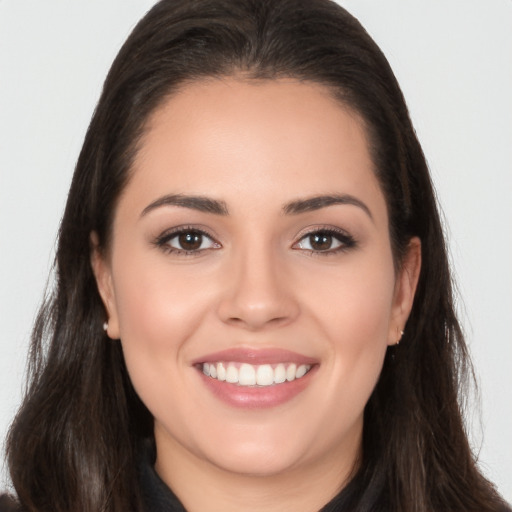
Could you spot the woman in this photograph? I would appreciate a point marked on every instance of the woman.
(253, 303)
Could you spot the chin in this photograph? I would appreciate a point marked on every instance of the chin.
(265, 450)
(253, 459)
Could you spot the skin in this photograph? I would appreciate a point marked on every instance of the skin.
(255, 146)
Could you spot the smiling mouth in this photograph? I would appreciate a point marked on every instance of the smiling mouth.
(249, 375)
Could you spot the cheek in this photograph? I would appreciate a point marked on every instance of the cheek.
(356, 326)
(354, 303)
(158, 308)
(353, 310)
(159, 311)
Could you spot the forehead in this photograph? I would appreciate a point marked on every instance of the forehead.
(274, 139)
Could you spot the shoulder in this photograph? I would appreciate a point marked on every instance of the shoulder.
(8, 504)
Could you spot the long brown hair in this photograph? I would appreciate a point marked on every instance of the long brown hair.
(73, 444)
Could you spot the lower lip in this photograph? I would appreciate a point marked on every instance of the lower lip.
(247, 397)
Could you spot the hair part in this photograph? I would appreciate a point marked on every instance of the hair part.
(74, 442)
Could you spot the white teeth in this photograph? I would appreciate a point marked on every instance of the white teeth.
(279, 374)
(291, 372)
(221, 372)
(246, 375)
(301, 371)
(251, 375)
(232, 374)
(265, 375)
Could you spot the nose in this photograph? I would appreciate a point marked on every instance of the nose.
(258, 292)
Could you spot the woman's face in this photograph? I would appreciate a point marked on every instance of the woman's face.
(251, 280)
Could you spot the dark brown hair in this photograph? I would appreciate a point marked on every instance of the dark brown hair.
(73, 443)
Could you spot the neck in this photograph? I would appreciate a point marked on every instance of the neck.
(308, 486)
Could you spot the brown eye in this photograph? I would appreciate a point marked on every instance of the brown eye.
(320, 241)
(325, 241)
(187, 241)
(191, 241)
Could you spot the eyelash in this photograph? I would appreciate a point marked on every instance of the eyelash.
(163, 240)
(346, 241)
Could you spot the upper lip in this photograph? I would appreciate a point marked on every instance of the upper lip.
(256, 356)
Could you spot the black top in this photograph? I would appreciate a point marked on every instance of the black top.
(158, 497)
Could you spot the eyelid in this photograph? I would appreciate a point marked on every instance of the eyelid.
(162, 240)
(322, 227)
(346, 240)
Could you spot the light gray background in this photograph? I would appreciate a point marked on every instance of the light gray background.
(453, 59)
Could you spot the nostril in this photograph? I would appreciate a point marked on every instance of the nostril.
(257, 323)
(255, 298)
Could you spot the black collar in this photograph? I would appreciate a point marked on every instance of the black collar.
(158, 497)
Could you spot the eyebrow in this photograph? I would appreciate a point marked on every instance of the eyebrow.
(208, 205)
(318, 202)
(199, 203)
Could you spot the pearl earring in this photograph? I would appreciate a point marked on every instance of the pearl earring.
(105, 326)
(400, 334)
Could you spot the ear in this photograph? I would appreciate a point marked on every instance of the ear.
(405, 290)
(103, 274)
